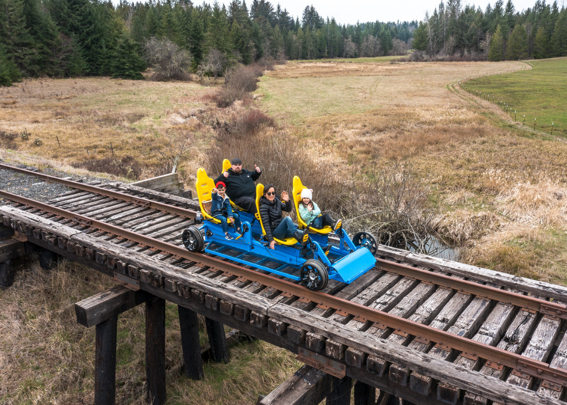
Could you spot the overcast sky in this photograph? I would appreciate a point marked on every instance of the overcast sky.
(351, 11)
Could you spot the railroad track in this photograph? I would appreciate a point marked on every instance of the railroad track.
(504, 332)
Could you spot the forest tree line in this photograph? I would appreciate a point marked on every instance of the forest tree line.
(497, 33)
(62, 38)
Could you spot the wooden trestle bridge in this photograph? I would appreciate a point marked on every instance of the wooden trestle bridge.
(420, 330)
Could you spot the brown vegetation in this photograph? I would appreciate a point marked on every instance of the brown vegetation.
(126, 167)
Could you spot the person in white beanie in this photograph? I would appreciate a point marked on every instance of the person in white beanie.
(311, 214)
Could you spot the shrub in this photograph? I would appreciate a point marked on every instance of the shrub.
(389, 201)
(238, 82)
(126, 166)
(169, 60)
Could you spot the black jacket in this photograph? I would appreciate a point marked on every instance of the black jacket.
(239, 185)
(271, 213)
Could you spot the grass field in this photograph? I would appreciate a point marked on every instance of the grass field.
(499, 194)
(539, 93)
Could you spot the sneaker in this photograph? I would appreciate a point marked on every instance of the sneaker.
(338, 224)
(228, 237)
(239, 230)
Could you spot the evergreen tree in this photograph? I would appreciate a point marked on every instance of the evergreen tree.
(496, 51)
(517, 47)
(386, 40)
(541, 44)
(19, 45)
(559, 38)
(127, 63)
(9, 72)
(420, 37)
(196, 39)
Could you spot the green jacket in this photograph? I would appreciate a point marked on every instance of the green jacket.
(306, 215)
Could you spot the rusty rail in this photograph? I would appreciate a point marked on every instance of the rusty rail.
(171, 209)
(523, 364)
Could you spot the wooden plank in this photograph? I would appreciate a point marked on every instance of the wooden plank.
(158, 182)
(307, 386)
(108, 304)
(164, 197)
(476, 273)
(11, 249)
(465, 326)
(155, 351)
(489, 333)
(539, 347)
(105, 362)
(7, 274)
(390, 300)
(189, 326)
(550, 390)
(404, 309)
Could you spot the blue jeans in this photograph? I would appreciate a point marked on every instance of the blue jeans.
(224, 223)
(285, 229)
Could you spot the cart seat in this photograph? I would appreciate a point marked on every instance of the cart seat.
(259, 194)
(204, 186)
(298, 187)
(225, 166)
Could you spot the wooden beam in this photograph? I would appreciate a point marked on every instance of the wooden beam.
(307, 386)
(105, 362)
(108, 304)
(364, 394)
(341, 394)
(189, 325)
(7, 274)
(48, 259)
(217, 341)
(155, 351)
(11, 249)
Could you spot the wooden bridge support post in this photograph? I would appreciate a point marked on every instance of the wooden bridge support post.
(192, 360)
(155, 351)
(217, 341)
(341, 394)
(7, 274)
(364, 394)
(48, 259)
(105, 362)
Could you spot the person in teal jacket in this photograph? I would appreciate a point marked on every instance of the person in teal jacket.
(311, 214)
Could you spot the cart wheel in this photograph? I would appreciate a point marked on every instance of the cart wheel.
(314, 275)
(193, 240)
(367, 240)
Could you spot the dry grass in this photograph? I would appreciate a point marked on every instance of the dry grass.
(79, 119)
(46, 357)
(490, 186)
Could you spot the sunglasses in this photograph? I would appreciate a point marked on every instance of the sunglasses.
(271, 193)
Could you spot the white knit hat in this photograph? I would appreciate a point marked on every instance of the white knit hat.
(306, 193)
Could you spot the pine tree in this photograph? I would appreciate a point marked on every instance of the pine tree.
(73, 64)
(127, 64)
(217, 37)
(517, 47)
(19, 45)
(9, 72)
(559, 38)
(196, 39)
(420, 37)
(386, 40)
(496, 52)
(45, 36)
(541, 44)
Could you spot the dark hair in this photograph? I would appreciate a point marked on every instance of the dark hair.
(268, 187)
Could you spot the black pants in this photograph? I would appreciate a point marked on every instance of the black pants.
(322, 221)
(248, 202)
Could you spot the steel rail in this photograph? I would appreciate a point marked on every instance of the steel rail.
(508, 297)
(171, 209)
(449, 341)
(545, 307)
